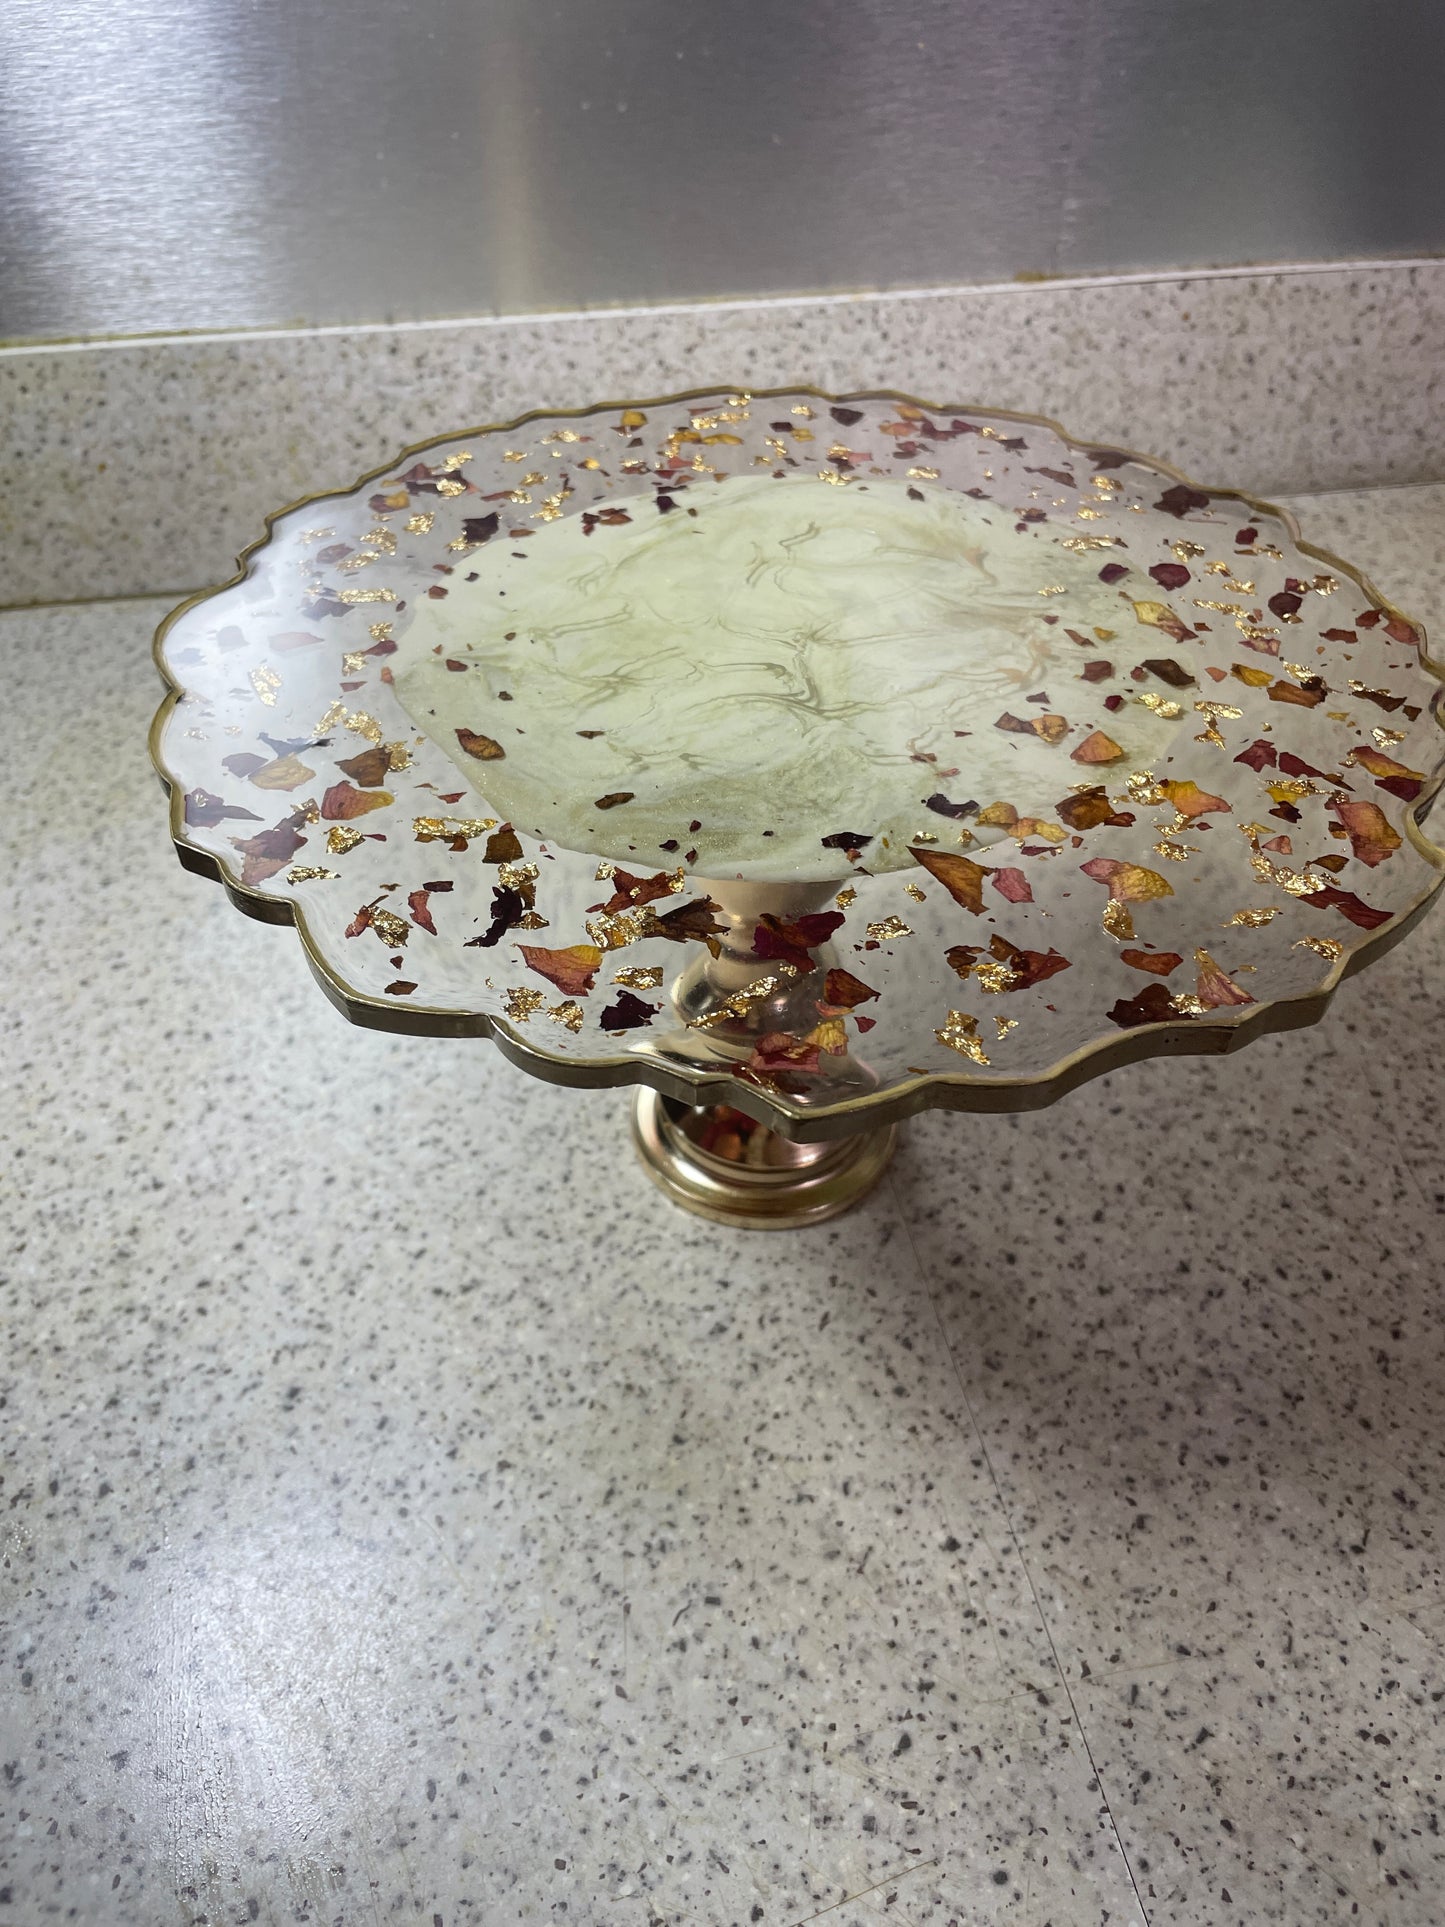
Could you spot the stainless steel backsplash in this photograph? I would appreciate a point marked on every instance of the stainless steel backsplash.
(200, 164)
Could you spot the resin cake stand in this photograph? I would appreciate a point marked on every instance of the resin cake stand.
(999, 761)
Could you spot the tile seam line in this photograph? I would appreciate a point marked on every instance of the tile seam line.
(725, 304)
(927, 1283)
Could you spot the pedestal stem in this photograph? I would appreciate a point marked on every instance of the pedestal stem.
(719, 1163)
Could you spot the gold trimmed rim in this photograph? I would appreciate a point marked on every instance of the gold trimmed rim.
(942, 1090)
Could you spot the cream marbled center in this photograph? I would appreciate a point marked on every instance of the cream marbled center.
(771, 659)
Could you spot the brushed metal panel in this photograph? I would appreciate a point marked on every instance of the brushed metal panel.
(195, 164)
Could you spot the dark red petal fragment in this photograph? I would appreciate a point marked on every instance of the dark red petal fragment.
(1168, 670)
(1153, 1005)
(1285, 603)
(1170, 575)
(842, 989)
(845, 417)
(628, 1013)
(1348, 905)
(777, 941)
(941, 806)
(508, 909)
(847, 840)
(1180, 499)
(204, 811)
(1260, 755)
(1112, 571)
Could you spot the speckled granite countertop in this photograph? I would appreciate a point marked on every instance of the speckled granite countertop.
(407, 1516)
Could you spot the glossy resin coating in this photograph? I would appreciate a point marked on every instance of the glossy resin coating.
(830, 757)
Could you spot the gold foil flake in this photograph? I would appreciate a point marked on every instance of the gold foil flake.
(1254, 631)
(361, 724)
(382, 539)
(1054, 588)
(534, 479)
(605, 869)
(912, 890)
(960, 1032)
(1330, 948)
(362, 559)
(1269, 549)
(924, 474)
(458, 459)
(353, 663)
(435, 829)
(924, 836)
(889, 928)
(590, 461)
(342, 837)
(1235, 609)
(265, 682)
(563, 435)
(1188, 1004)
(1253, 919)
(1106, 482)
(1387, 738)
(1184, 550)
(520, 496)
(1003, 1025)
(1324, 585)
(802, 408)
(802, 434)
(740, 1002)
(569, 1014)
(551, 508)
(1161, 705)
(451, 488)
(353, 596)
(512, 876)
(991, 975)
(634, 467)
(846, 898)
(832, 476)
(398, 757)
(1290, 789)
(522, 1003)
(309, 873)
(614, 931)
(532, 920)
(314, 535)
(639, 977)
(1082, 544)
(1295, 883)
(1118, 922)
(1090, 515)
(1299, 672)
(1212, 713)
(1176, 852)
(1142, 786)
(391, 928)
(516, 454)
(381, 632)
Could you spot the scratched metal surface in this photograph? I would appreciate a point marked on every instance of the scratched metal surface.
(187, 164)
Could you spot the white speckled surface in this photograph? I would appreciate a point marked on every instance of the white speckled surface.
(135, 467)
(407, 1516)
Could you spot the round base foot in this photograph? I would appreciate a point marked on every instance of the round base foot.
(716, 1162)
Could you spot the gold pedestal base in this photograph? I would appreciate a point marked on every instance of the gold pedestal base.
(722, 1165)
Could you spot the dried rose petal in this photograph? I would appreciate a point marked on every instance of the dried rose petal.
(959, 875)
(1372, 836)
(1096, 748)
(573, 970)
